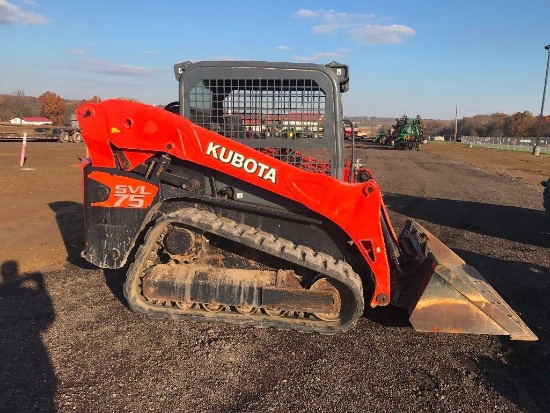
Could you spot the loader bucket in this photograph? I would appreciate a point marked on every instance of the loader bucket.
(448, 295)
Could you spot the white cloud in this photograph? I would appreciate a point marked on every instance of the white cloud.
(359, 27)
(151, 52)
(322, 57)
(108, 68)
(12, 14)
(333, 20)
(76, 52)
(325, 28)
(307, 14)
(374, 34)
(283, 48)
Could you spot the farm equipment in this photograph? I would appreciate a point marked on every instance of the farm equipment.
(216, 218)
(70, 132)
(407, 133)
(382, 137)
(62, 134)
(354, 133)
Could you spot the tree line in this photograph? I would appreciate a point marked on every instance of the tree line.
(49, 105)
(494, 125)
(498, 125)
(59, 111)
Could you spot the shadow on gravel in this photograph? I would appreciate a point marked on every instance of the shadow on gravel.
(520, 376)
(520, 373)
(27, 377)
(526, 226)
(115, 282)
(524, 286)
(70, 220)
(389, 316)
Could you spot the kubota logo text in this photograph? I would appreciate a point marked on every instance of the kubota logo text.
(125, 192)
(249, 165)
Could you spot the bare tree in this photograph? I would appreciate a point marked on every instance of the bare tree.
(20, 104)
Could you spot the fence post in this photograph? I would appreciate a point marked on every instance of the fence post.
(23, 148)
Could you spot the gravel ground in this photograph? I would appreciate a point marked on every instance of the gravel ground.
(69, 343)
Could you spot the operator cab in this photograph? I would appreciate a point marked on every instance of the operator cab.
(290, 111)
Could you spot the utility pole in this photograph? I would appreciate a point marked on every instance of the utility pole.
(456, 123)
(536, 148)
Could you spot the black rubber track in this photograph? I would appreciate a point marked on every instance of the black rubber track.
(349, 282)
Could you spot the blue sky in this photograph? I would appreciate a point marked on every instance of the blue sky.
(405, 57)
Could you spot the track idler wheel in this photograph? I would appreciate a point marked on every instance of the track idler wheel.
(323, 284)
(275, 312)
(212, 307)
(245, 309)
(183, 305)
(183, 245)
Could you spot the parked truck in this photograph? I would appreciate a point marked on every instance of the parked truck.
(64, 134)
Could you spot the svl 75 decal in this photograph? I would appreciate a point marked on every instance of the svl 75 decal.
(125, 192)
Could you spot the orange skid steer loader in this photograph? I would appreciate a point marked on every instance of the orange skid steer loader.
(218, 216)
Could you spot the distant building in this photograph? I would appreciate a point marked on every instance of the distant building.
(32, 120)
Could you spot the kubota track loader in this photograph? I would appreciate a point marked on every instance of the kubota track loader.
(218, 215)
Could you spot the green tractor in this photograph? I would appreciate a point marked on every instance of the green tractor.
(382, 137)
(407, 133)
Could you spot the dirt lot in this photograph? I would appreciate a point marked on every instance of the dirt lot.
(520, 166)
(42, 214)
(69, 343)
(39, 199)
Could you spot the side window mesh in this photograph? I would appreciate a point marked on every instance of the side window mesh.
(270, 112)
